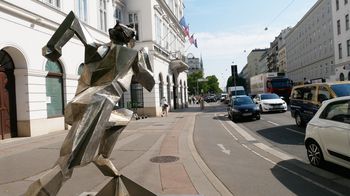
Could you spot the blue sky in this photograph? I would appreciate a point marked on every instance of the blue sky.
(227, 30)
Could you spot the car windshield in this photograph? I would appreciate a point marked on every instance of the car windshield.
(341, 90)
(242, 100)
(282, 83)
(237, 92)
(269, 96)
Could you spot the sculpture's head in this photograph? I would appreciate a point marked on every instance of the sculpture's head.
(121, 34)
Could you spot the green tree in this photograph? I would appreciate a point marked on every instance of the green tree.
(212, 85)
(239, 82)
(192, 82)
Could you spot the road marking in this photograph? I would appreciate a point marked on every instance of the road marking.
(224, 150)
(292, 172)
(273, 123)
(243, 133)
(268, 149)
(274, 152)
(295, 131)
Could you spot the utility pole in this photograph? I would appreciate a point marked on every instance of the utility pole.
(234, 73)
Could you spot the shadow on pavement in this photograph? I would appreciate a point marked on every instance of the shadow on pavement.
(299, 186)
(284, 135)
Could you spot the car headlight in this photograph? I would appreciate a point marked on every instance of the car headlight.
(257, 108)
(235, 110)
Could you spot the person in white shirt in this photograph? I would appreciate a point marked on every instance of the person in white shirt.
(164, 105)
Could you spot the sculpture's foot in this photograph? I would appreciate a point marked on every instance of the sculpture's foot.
(49, 184)
(106, 166)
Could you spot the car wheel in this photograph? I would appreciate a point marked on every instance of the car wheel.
(257, 117)
(298, 120)
(314, 154)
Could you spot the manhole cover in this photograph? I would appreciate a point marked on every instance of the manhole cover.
(180, 117)
(158, 125)
(164, 159)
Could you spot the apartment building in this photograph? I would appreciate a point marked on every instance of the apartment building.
(195, 64)
(341, 26)
(34, 90)
(310, 46)
(253, 65)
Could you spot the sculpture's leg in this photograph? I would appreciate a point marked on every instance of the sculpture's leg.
(49, 184)
(108, 141)
(79, 147)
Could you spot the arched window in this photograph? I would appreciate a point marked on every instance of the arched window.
(341, 77)
(54, 89)
(161, 90)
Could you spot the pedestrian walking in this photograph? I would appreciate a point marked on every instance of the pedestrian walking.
(164, 105)
(201, 101)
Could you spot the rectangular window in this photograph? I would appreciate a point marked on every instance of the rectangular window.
(337, 4)
(338, 27)
(347, 22)
(340, 50)
(158, 29)
(348, 47)
(118, 14)
(136, 95)
(54, 3)
(133, 20)
(103, 15)
(81, 9)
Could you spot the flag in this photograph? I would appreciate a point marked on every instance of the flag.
(195, 43)
(187, 30)
(183, 22)
(191, 39)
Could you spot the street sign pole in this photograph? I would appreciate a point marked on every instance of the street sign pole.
(234, 73)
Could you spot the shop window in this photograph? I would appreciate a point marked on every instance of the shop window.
(54, 89)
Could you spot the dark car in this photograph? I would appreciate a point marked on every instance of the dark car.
(306, 99)
(243, 107)
(210, 98)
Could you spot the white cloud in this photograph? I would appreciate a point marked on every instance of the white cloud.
(220, 49)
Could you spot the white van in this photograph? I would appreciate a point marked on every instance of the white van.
(236, 91)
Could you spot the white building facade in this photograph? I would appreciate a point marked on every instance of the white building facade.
(341, 26)
(310, 46)
(35, 90)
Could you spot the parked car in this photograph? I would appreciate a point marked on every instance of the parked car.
(243, 107)
(305, 100)
(327, 135)
(210, 98)
(268, 102)
(223, 97)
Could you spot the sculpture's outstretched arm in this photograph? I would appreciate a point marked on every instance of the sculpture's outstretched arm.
(70, 26)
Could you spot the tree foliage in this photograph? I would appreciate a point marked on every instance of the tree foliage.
(239, 82)
(192, 81)
(210, 86)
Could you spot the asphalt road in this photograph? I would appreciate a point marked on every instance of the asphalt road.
(264, 157)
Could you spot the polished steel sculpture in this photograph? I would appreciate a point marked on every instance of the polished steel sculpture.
(108, 71)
